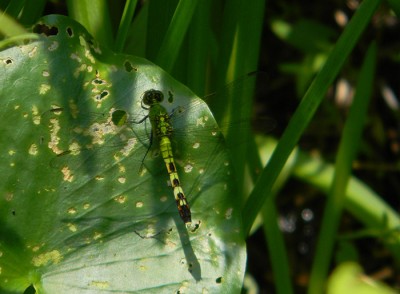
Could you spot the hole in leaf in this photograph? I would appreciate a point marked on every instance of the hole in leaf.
(129, 67)
(30, 290)
(190, 268)
(218, 280)
(70, 32)
(170, 97)
(8, 61)
(46, 30)
(98, 81)
(102, 95)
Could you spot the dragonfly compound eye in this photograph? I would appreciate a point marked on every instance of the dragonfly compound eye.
(152, 96)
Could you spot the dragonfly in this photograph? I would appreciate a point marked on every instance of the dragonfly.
(162, 130)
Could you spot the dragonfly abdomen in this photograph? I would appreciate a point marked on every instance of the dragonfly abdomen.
(163, 131)
(183, 207)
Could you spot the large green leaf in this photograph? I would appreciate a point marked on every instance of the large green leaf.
(89, 221)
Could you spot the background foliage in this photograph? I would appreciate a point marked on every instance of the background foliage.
(308, 55)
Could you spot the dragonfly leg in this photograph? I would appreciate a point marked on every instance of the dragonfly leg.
(147, 151)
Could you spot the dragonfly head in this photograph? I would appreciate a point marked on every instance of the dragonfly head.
(151, 97)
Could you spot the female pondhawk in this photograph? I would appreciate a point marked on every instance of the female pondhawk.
(162, 130)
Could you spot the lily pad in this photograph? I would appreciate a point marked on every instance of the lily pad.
(78, 214)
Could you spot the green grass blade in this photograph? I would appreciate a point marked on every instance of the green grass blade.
(136, 41)
(9, 27)
(200, 44)
(276, 248)
(95, 17)
(124, 25)
(347, 153)
(159, 17)
(307, 108)
(273, 234)
(241, 30)
(26, 12)
(177, 29)
(14, 8)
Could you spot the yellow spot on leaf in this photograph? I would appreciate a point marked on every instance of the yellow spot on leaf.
(201, 121)
(32, 53)
(36, 119)
(33, 149)
(143, 268)
(89, 56)
(97, 235)
(122, 169)
(72, 210)
(68, 176)
(44, 88)
(72, 227)
(81, 68)
(99, 284)
(74, 56)
(9, 196)
(74, 148)
(129, 146)
(120, 199)
(35, 110)
(53, 257)
(35, 248)
(188, 168)
(35, 115)
(54, 139)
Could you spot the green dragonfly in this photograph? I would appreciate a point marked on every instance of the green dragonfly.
(162, 130)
